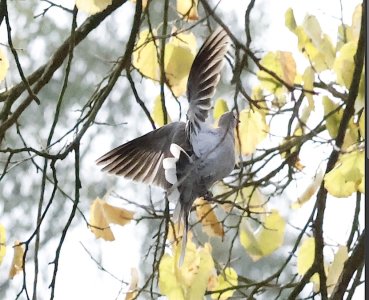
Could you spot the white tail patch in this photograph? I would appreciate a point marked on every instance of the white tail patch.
(170, 171)
(169, 164)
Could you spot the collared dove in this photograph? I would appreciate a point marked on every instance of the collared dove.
(185, 159)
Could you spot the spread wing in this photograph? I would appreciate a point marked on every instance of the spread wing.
(204, 77)
(142, 158)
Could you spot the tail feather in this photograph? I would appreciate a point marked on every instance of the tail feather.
(184, 238)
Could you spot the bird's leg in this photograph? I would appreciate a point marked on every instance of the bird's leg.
(208, 196)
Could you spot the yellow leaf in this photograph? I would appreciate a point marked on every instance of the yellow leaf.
(2, 243)
(188, 9)
(305, 255)
(351, 136)
(289, 20)
(312, 28)
(92, 6)
(315, 44)
(304, 115)
(319, 40)
(333, 121)
(281, 63)
(305, 45)
(292, 153)
(356, 23)
(206, 267)
(305, 258)
(266, 239)
(168, 283)
(220, 107)
(206, 215)
(271, 235)
(252, 198)
(252, 130)
(145, 57)
(102, 214)
(309, 191)
(249, 197)
(4, 64)
(347, 176)
(250, 242)
(257, 94)
(336, 268)
(344, 64)
(344, 68)
(227, 279)
(342, 33)
(158, 112)
(190, 280)
(178, 61)
(308, 79)
(184, 40)
(132, 293)
(17, 263)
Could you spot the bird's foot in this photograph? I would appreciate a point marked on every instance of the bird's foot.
(208, 196)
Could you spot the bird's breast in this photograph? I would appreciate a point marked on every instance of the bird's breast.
(215, 156)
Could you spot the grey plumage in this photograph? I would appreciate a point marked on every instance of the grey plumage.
(185, 159)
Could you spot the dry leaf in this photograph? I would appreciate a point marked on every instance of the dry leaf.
(17, 263)
(102, 214)
(133, 285)
(205, 213)
(309, 191)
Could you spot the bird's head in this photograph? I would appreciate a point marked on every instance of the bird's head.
(228, 120)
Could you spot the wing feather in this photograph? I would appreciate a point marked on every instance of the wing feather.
(142, 158)
(204, 77)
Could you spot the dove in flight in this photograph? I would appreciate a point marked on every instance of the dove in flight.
(184, 158)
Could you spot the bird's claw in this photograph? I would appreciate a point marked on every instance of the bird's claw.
(208, 196)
